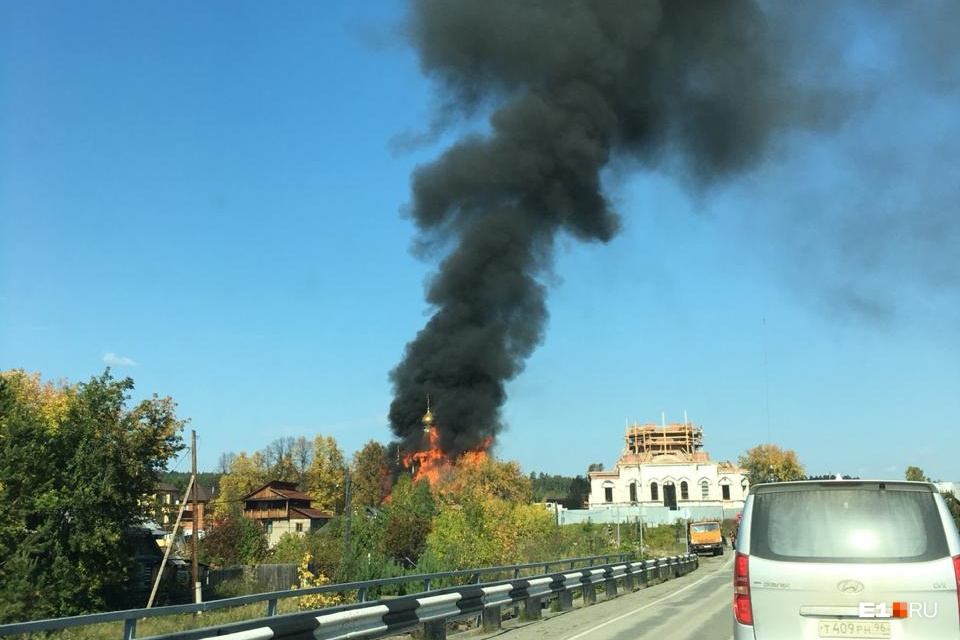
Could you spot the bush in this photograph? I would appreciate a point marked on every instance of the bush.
(310, 579)
(232, 588)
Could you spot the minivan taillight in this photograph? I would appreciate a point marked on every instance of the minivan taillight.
(741, 589)
(956, 576)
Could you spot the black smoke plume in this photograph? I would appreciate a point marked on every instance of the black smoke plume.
(572, 85)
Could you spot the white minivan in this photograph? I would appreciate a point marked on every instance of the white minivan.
(846, 559)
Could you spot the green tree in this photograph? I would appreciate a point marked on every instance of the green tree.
(367, 561)
(75, 466)
(234, 540)
(489, 531)
(916, 474)
(571, 492)
(953, 504)
(579, 493)
(288, 550)
(369, 474)
(486, 517)
(407, 520)
(768, 462)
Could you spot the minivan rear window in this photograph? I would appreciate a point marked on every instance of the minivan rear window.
(847, 525)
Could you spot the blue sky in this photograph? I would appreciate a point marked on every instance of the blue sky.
(210, 199)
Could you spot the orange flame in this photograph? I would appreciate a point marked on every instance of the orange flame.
(432, 464)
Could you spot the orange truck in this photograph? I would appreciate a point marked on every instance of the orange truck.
(704, 536)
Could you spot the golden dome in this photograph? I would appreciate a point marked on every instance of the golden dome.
(427, 418)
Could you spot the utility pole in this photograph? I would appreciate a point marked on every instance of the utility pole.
(173, 536)
(618, 527)
(195, 567)
(641, 534)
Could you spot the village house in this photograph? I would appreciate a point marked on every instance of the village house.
(280, 508)
(203, 499)
(168, 500)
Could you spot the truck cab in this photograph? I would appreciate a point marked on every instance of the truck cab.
(705, 536)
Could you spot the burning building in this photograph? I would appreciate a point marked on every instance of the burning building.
(429, 461)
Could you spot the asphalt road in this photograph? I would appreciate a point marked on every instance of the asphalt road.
(698, 606)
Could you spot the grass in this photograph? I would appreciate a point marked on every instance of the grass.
(172, 623)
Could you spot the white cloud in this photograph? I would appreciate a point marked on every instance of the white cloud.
(114, 360)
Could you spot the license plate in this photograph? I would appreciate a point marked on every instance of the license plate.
(853, 629)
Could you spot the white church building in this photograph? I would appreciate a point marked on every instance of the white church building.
(663, 475)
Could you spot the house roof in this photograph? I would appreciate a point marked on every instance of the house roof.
(203, 494)
(279, 488)
(312, 514)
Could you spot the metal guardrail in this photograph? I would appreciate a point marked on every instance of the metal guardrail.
(433, 612)
(130, 617)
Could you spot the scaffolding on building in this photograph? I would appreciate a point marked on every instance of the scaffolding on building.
(681, 440)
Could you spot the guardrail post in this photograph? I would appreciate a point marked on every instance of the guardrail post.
(271, 607)
(435, 630)
(589, 594)
(628, 580)
(129, 628)
(531, 609)
(609, 588)
(491, 619)
(565, 600)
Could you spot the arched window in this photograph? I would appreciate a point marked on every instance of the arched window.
(654, 491)
(633, 492)
(725, 489)
(684, 490)
(608, 491)
(704, 489)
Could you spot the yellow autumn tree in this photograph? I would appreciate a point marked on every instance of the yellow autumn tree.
(484, 478)
(326, 475)
(48, 400)
(310, 579)
(486, 517)
(770, 463)
(245, 474)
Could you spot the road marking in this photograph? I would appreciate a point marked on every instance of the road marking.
(648, 605)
